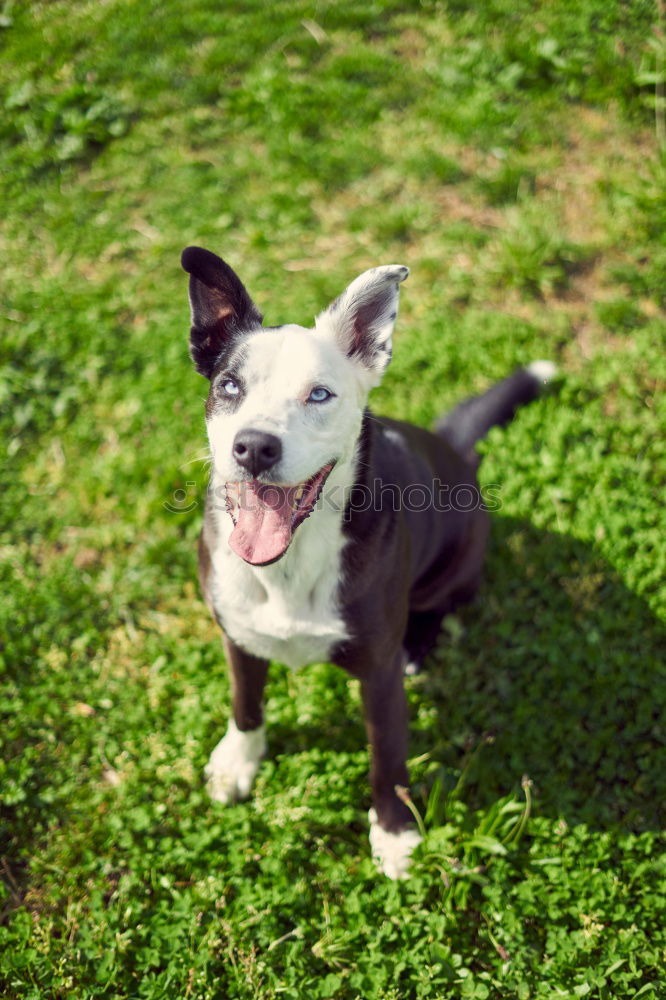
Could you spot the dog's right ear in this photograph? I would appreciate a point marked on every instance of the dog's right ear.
(363, 317)
(220, 304)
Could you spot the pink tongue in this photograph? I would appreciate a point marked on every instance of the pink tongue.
(263, 522)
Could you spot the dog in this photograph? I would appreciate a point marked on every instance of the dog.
(319, 542)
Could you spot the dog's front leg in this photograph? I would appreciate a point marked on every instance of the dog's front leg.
(234, 762)
(393, 835)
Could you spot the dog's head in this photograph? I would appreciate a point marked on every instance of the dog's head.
(286, 402)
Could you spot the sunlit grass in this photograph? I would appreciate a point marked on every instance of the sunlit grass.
(507, 154)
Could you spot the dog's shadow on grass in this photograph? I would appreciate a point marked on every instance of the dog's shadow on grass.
(555, 674)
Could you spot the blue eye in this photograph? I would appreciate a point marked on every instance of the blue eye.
(319, 394)
(229, 388)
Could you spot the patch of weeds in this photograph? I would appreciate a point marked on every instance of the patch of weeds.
(532, 254)
(460, 845)
(591, 52)
(646, 277)
(642, 206)
(428, 164)
(397, 223)
(620, 315)
(61, 121)
(650, 77)
(509, 183)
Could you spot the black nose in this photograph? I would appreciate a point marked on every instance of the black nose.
(257, 451)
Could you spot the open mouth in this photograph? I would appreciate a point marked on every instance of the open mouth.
(266, 515)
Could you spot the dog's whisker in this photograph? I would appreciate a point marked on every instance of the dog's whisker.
(202, 456)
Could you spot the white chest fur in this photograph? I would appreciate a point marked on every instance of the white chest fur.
(288, 611)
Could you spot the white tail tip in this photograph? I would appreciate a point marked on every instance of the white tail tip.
(544, 371)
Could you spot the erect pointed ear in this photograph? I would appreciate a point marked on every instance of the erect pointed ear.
(221, 307)
(363, 317)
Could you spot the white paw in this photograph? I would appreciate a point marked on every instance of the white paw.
(234, 762)
(544, 371)
(392, 851)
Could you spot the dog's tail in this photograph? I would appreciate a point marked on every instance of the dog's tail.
(472, 419)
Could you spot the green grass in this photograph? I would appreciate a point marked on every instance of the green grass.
(508, 153)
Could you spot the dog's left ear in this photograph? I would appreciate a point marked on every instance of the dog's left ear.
(221, 306)
(363, 317)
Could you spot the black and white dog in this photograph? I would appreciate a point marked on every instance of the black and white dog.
(308, 552)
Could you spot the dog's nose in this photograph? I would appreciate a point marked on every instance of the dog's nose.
(257, 451)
